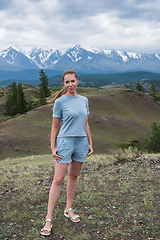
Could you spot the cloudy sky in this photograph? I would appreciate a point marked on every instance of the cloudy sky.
(127, 25)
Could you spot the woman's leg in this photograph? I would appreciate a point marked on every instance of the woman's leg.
(73, 173)
(59, 174)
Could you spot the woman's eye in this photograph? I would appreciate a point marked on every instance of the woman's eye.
(72, 81)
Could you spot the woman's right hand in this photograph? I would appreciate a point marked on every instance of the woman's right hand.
(55, 155)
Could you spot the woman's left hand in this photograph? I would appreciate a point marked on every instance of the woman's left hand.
(90, 151)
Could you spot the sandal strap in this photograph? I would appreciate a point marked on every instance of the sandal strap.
(46, 229)
(76, 216)
(48, 220)
(68, 210)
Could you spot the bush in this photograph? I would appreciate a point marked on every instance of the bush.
(153, 144)
(154, 92)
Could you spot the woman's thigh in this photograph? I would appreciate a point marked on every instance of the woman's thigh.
(60, 171)
(75, 168)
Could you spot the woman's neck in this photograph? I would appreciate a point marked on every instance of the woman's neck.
(75, 94)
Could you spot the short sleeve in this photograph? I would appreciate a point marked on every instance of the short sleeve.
(87, 106)
(57, 109)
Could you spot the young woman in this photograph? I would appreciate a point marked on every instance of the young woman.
(70, 144)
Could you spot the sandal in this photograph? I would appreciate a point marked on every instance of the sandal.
(66, 211)
(48, 230)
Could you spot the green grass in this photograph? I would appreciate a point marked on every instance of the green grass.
(116, 200)
(119, 118)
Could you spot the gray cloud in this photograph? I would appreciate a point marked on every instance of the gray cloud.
(130, 9)
(4, 4)
(131, 25)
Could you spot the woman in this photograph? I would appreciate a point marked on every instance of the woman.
(74, 144)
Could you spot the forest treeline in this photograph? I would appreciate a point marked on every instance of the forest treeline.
(16, 101)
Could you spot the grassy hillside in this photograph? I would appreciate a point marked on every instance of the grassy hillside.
(115, 199)
(118, 117)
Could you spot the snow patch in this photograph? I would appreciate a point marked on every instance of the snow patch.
(45, 57)
(91, 49)
(134, 55)
(70, 56)
(157, 56)
(107, 52)
(123, 56)
(4, 53)
(75, 55)
(54, 62)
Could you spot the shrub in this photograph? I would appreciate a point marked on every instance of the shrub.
(153, 144)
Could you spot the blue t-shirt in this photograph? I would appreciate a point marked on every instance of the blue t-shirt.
(72, 112)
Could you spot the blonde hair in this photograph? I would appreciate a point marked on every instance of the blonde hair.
(58, 94)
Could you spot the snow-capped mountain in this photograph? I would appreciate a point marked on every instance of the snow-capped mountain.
(44, 58)
(81, 59)
(14, 59)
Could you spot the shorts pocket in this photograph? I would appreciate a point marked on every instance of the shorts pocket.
(86, 143)
(60, 143)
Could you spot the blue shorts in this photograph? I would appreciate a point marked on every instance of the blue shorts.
(72, 148)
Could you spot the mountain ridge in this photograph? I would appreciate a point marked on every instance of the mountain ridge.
(31, 77)
(85, 60)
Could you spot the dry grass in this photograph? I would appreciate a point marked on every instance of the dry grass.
(117, 117)
(116, 200)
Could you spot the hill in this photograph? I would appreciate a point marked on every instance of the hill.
(115, 199)
(118, 118)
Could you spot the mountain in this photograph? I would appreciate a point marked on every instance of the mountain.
(45, 58)
(81, 59)
(15, 59)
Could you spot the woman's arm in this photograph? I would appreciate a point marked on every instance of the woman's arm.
(54, 133)
(89, 138)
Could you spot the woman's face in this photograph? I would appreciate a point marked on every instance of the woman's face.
(70, 82)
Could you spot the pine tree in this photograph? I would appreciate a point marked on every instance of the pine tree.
(126, 86)
(14, 105)
(139, 87)
(8, 105)
(44, 83)
(21, 102)
(11, 106)
(153, 91)
(42, 97)
(15, 102)
(153, 145)
(30, 106)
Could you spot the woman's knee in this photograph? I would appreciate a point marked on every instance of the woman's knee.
(58, 180)
(73, 175)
